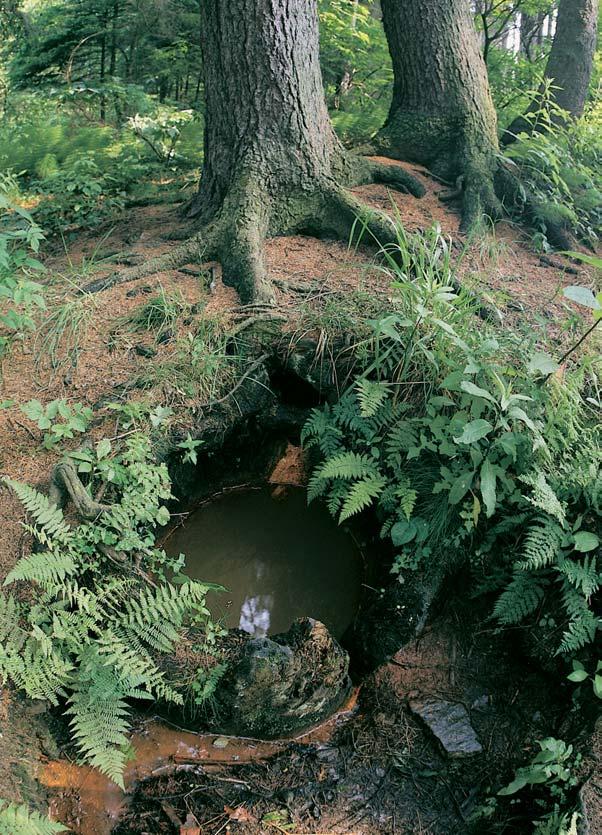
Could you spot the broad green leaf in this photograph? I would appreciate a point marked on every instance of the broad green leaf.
(460, 487)
(488, 487)
(162, 516)
(470, 388)
(516, 785)
(577, 675)
(582, 296)
(541, 363)
(519, 414)
(586, 541)
(598, 686)
(403, 532)
(474, 431)
(103, 448)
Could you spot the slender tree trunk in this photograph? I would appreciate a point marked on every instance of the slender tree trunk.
(441, 113)
(103, 59)
(570, 63)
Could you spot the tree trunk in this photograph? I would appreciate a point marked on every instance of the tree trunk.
(569, 66)
(273, 164)
(441, 114)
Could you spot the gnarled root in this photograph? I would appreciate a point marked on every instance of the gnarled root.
(66, 484)
(200, 247)
(369, 171)
(249, 215)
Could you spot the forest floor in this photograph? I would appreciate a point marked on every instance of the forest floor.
(380, 772)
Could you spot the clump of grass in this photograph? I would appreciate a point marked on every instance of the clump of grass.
(201, 368)
(158, 315)
(58, 339)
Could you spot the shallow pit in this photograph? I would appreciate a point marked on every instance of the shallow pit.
(278, 558)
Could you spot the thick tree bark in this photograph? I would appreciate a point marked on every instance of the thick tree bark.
(273, 164)
(441, 113)
(569, 66)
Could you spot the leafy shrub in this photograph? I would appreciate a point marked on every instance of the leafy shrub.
(561, 170)
(98, 625)
(20, 296)
(59, 418)
(82, 195)
(356, 68)
(462, 450)
(161, 131)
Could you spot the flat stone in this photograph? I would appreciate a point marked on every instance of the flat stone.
(449, 722)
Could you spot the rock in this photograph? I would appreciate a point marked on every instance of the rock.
(590, 796)
(285, 683)
(221, 742)
(450, 723)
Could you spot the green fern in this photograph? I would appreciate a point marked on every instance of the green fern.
(371, 395)
(91, 636)
(543, 496)
(583, 623)
(19, 820)
(100, 727)
(47, 516)
(348, 465)
(520, 599)
(584, 576)
(361, 495)
(542, 544)
(47, 569)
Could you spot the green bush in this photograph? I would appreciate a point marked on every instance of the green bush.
(94, 631)
(561, 170)
(455, 438)
(21, 297)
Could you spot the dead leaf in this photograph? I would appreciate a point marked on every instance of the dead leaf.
(239, 814)
(190, 826)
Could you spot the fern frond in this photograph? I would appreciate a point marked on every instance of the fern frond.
(521, 598)
(406, 497)
(40, 675)
(348, 465)
(542, 544)
(361, 495)
(11, 635)
(371, 395)
(400, 439)
(316, 487)
(46, 515)
(19, 820)
(583, 623)
(584, 576)
(543, 496)
(48, 569)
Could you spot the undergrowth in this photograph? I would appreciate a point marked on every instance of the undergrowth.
(91, 638)
(466, 447)
(559, 165)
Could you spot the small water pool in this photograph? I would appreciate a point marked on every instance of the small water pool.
(278, 558)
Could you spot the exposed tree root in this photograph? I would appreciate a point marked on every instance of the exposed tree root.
(66, 484)
(249, 215)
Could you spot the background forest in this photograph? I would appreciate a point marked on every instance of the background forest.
(395, 246)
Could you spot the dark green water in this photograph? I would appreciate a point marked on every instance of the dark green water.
(278, 558)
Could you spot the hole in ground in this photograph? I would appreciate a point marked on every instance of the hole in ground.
(278, 558)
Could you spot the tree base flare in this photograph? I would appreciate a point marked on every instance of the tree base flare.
(249, 215)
